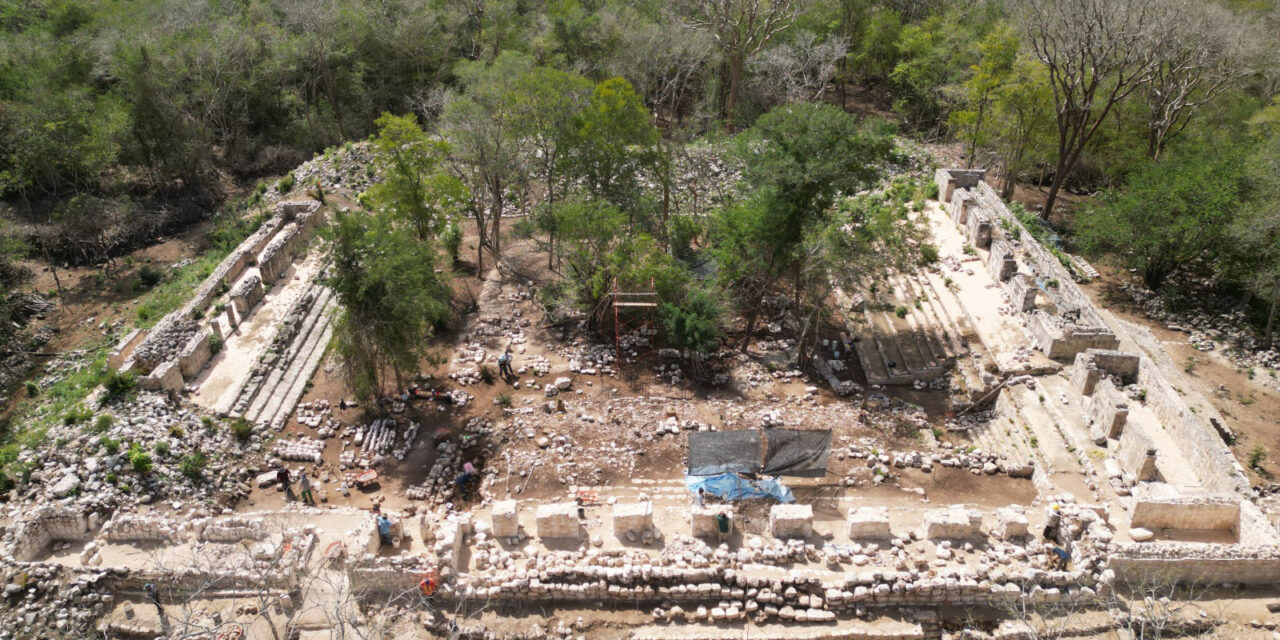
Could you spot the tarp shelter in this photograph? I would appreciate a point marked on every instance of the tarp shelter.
(716, 452)
(795, 453)
(788, 452)
(731, 486)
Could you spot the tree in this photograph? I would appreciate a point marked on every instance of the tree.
(1255, 235)
(414, 186)
(479, 123)
(1200, 53)
(1021, 113)
(1097, 53)
(795, 71)
(741, 28)
(998, 51)
(610, 141)
(391, 296)
(1172, 213)
(799, 158)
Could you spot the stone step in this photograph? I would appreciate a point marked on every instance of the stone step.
(262, 392)
(285, 396)
(942, 326)
(302, 377)
(278, 374)
(906, 331)
(925, 322)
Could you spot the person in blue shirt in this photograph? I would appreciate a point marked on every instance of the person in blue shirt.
(384, 528)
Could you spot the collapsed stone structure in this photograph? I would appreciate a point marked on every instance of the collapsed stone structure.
(1168, 466)
(177, 349)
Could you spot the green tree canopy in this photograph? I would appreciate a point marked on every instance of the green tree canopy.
(414, 186)
(392, 297)
(1173, 212)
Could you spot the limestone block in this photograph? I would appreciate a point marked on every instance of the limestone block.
(978, 229)
(1022, 290)
(506, 523)
(791, 520)
(869, 523)
(165, 377)
(247, 294)
(1010, 523)
(702, 520)
(636, 517)
(125, 347)
(952, 523)
(559, 520)
(1000, 262)
(1109, 409)
(194, 355)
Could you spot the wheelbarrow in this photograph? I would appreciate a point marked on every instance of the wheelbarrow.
(366, 478)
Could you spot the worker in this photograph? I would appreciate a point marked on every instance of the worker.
(722, 526)
(462, 481)
(304, 484)
(285, 481)
(699, 498)
(428, 586)
(1052, 523)
(152, 592)
(504, 365)
(1060, 558)
(384, 529)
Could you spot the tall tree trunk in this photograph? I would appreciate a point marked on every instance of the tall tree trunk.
(735, 78)
(977, 129)
(1271, 317)
(496, 238)
(1059, 177)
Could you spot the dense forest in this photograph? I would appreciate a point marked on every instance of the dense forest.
(120, 119)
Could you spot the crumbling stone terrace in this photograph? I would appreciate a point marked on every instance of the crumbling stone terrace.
(178, 348)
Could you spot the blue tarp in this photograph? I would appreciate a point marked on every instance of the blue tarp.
(731, 486)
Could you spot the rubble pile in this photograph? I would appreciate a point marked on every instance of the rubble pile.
(348, 169)
(1208, 326)
(94, 464)
(302, 449)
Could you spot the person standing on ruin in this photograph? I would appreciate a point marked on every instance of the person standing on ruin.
(304, 484)
(285, 482)
(504, 365)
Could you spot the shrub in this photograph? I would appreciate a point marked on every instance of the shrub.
(1256, 456)
(177, 431)
(928, 255)
(215, 344)
(119, 385)
(192, 466)
(111, 445)
(139, 459)
(286, 184)
(901, 311)
(504, 400)
(112, 477)
(207, 422)
(33, 389)
(103, 422)
(451, 238)
(486, 374)
(931, 190)
(149, 276)
(242, 429)
(77, 415)
(162, 448)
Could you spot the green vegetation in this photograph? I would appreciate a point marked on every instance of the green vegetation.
(139, 459)
(242, 429)
(192, 466)
(1257, 455)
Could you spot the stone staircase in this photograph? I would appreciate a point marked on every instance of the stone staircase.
(922, 344)
(270, 400)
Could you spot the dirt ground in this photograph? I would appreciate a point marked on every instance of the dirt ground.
(1252, 409)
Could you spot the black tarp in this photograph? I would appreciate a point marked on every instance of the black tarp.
(800, 454)
(715, 452)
